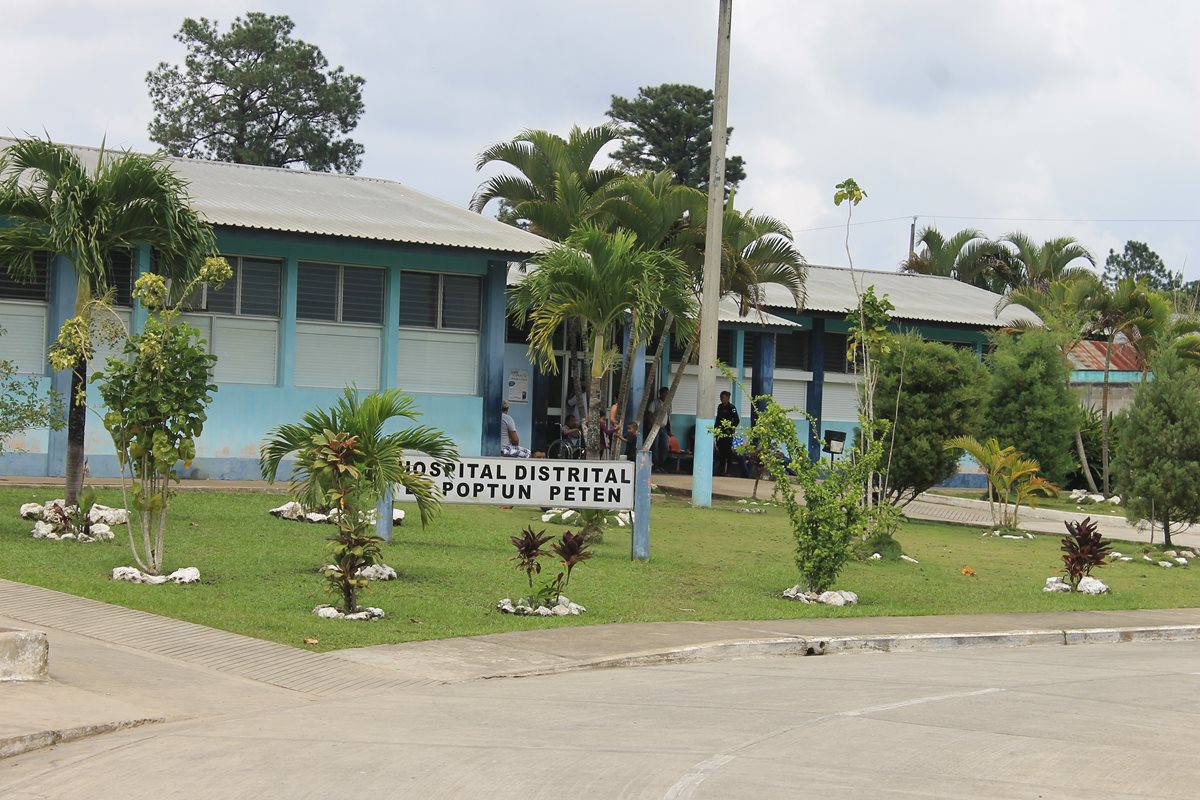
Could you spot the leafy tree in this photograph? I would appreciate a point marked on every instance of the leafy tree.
(929, 392)
(345, 460)
(1157, 466)
(556, 188)
(22, 406)
(1139, 262)
(156, 395)
(1027, 263)
(54, 204)
(669, 127)
(1029, 404)
(255, 95)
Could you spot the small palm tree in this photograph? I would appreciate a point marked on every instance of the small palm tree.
(345, 460)
(1035, 265)
(966, 256)
(52, 203)
(596, 279)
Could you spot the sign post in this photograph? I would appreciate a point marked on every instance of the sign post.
(527, 482)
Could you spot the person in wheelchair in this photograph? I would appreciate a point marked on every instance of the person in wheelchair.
(572, 434)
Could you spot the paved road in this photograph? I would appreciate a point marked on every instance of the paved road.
(1111, 721)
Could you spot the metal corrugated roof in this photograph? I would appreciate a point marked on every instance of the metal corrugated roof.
(728, 309)
(327, 204)
(920, 298)
(1090, 355)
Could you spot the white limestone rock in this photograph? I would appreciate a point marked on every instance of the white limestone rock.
(542, 611)
(290, 510)
(1170, 553)
(1056, 584)
(506, 606)
(104, 515)
(1010, 536)
(135, 575)
(316, 518)
(1125, 558)
(101, 532)
(876, 556)
(1090, 585)
(1116, 501)
(43, 530)
(909, 559)
(66, 537)
(1148, 558)
(831, 599)
(367, 614)
(1183, 562)
(1166, 564)
(563, 608)
(1114, 555)
(378, 572)
(31, 511)
(397, 516)
(185, 575)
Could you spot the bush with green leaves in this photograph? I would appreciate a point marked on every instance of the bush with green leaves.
(1030, 406)
(156, 394)
(345, 461)
(1158, 448)
(834, 513)
(929, 392)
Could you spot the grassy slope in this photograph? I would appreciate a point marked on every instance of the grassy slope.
(259, 572)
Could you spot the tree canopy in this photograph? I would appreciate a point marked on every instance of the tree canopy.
(1139, 262)
(669, 127)
(255, 95)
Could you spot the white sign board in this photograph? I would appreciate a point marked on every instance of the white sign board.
(528, 482)
(518, 385)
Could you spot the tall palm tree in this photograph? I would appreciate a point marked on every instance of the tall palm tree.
(556, 187)
(1066, 310)
(596, 278)
(1028, 263)
(966, 256)
(1119, 310)
(1164, 328)
(54, 204)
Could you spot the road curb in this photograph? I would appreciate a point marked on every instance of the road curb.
(879, 643)
(17, 745)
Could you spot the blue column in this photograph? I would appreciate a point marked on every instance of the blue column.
(739, 366)
(287, 324)
(639, 549)
(816, 387)
(764, 365)
(492, 355)
(141, 266)
(390, 352)
(383, 516)
(637, 386)
(61, 308)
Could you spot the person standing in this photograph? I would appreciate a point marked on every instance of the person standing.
(727, 422)
(659, 409)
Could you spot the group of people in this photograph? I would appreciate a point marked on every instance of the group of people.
(727, 422)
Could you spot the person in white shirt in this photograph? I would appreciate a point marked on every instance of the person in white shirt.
(510, 440)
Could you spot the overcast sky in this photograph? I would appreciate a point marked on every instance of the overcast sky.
(1054, 117)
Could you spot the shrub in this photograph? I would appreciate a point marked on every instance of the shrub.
(930, 392)
(1083, 549)
(529, 550)
(1030, 405)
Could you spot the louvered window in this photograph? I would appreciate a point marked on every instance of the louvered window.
(791, 350)
(31, 287)
(331, 293)
(431, 300)
(835, 352)
(118, 275)
(252, 291)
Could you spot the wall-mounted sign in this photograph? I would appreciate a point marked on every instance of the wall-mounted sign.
(518, 386)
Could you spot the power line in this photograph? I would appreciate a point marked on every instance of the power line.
(993, 219)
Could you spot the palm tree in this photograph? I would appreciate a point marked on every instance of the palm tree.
(596, 278)
(345, 460)
(557, 187)
(1065, 309)
(1036, 266)
(1119, 310)
(1164, 328)
(52, 203)
(967, 256)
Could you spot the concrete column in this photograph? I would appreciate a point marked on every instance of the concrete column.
(61, 308)
(287, 323)
(390, 353)
(764, 365)
(739, 366)
(141, 266)
(639, 549)
(816, 386)
(492, 355)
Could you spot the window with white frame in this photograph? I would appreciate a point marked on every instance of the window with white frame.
(339, 319)
(241, 321)
(440, 319)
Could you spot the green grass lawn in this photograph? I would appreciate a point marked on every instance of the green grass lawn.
(1062, 503)
(259, 573)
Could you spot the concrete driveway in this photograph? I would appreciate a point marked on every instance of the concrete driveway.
(1094, 721)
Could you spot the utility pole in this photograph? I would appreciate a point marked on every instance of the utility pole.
(710, 297)
(912, 239)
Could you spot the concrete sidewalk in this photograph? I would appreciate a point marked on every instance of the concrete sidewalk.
(113, 667)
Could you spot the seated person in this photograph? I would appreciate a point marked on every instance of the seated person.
(510, 441)
(572, 434)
